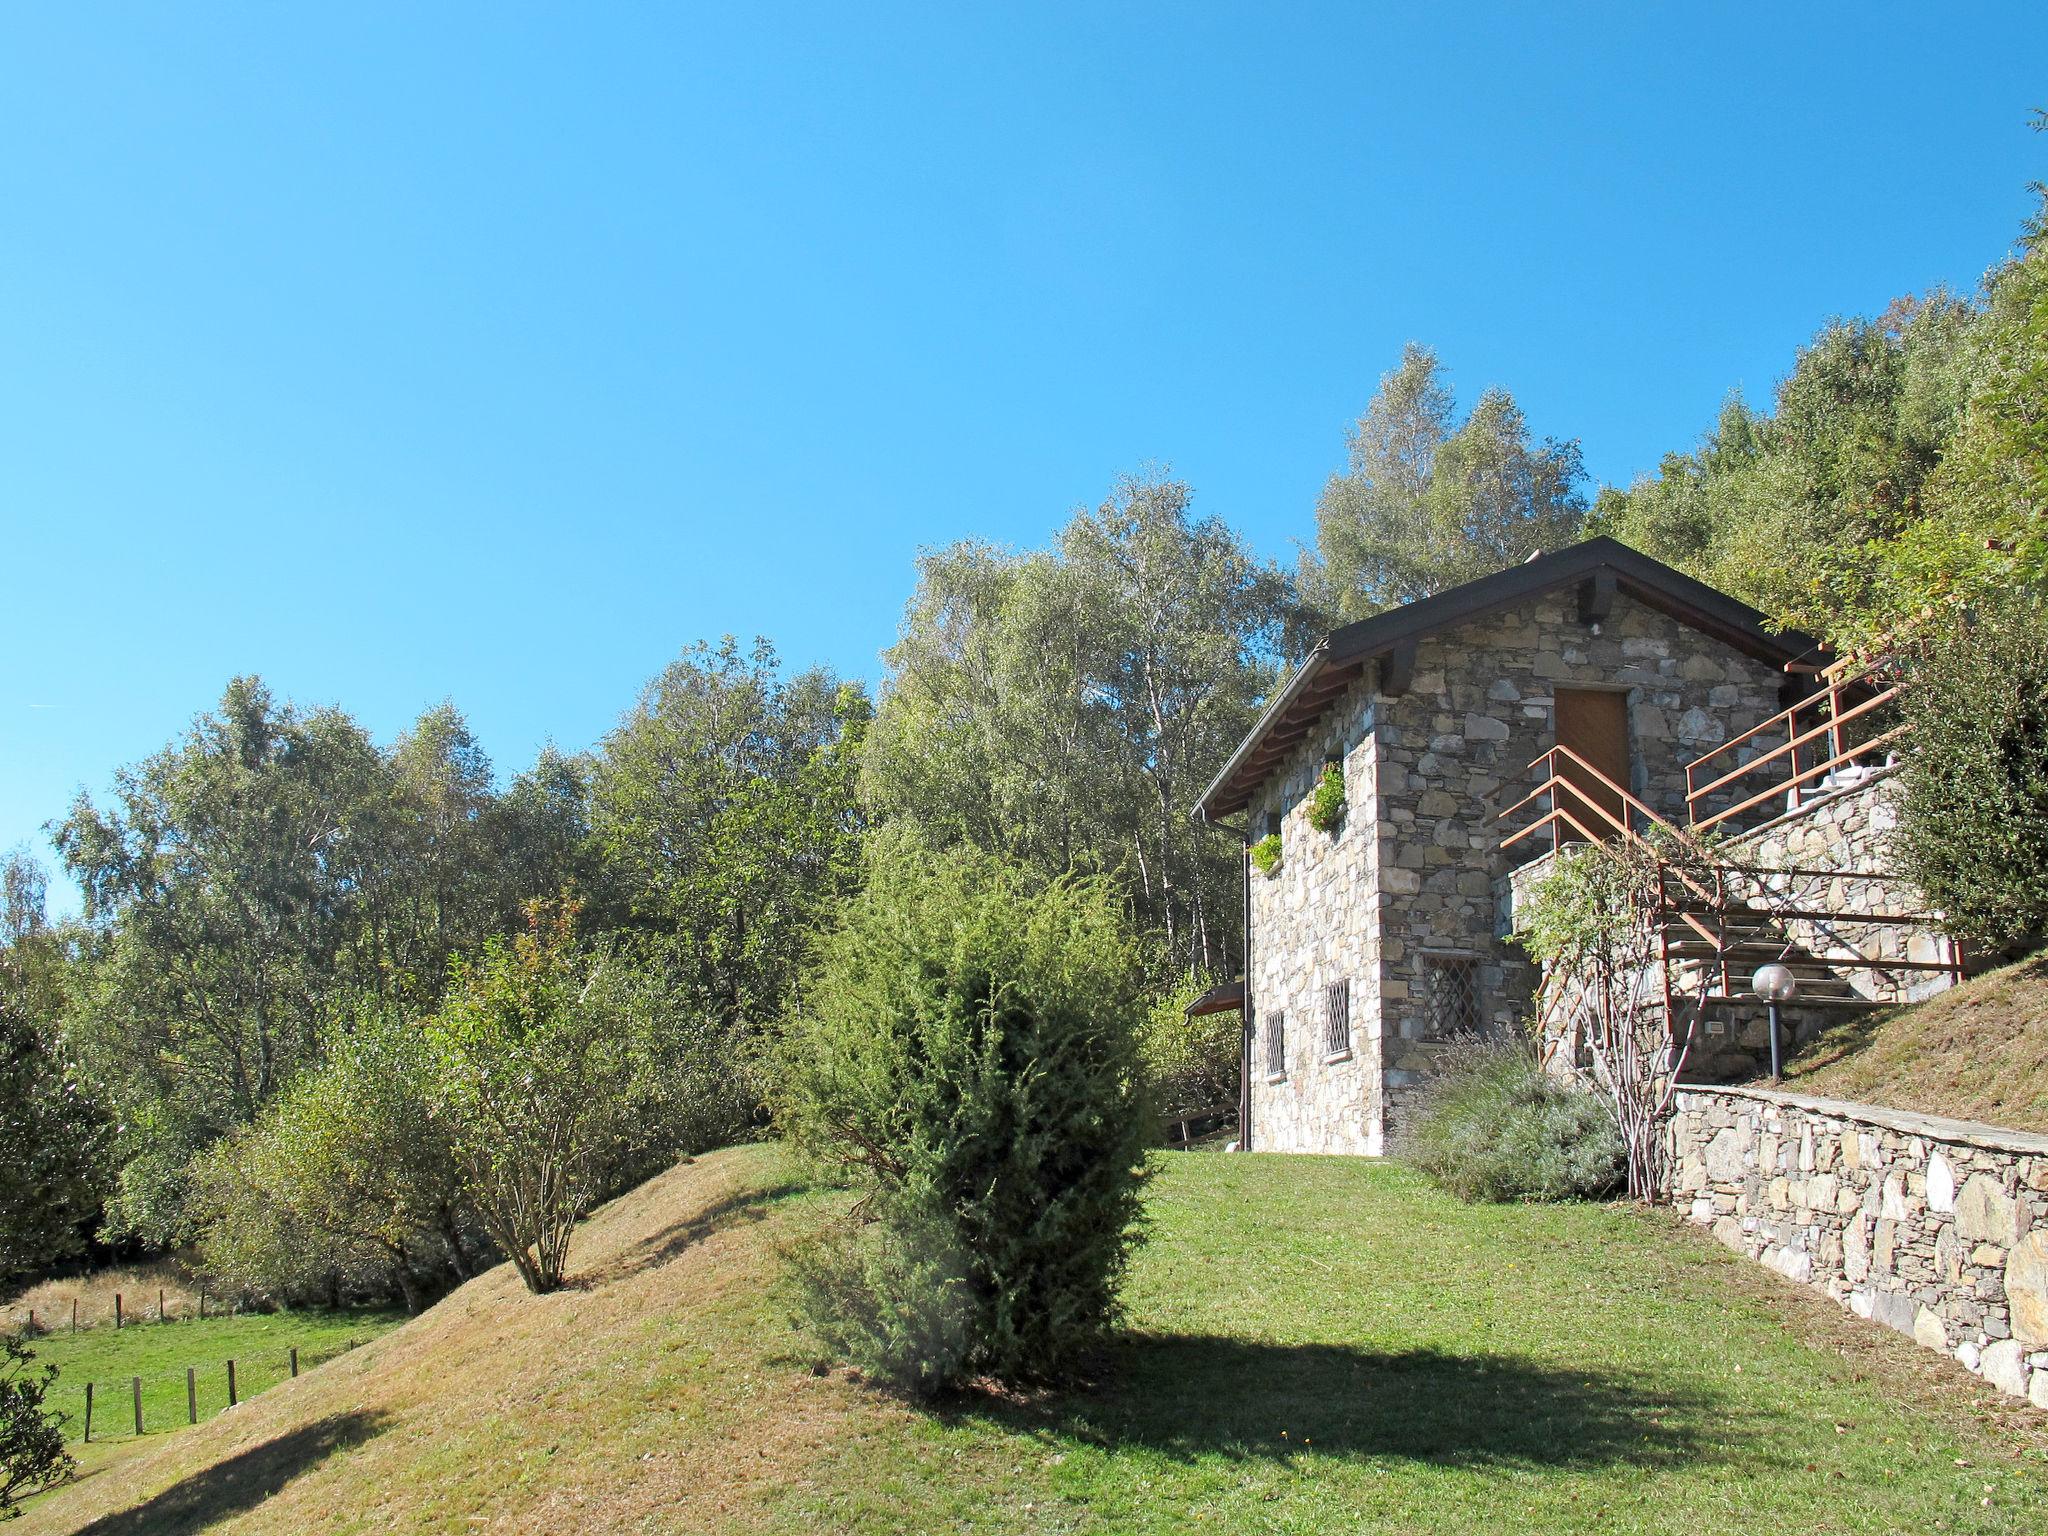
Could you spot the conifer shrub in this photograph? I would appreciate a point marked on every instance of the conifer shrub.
(966, 1052)
(1494, 1127)
(1973, 821)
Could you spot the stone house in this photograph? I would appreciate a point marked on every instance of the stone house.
(1371, 942)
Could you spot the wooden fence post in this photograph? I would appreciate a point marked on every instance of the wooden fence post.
(31, 1322)
(191, 1396)
(202, 1304)
(159, 1303)
(74, 1314)
(295, 1360)
(88, 1412)
(137, 1380)
(117, 1311)
(231, 1384)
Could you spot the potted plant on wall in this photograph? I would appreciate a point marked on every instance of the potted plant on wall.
(1265, 852)
(1326, 805)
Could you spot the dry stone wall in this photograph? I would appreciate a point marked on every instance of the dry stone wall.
(1937, 1228)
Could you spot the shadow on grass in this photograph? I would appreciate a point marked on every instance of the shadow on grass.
(659, 1248)
(1187, 1396)
(241, 1482)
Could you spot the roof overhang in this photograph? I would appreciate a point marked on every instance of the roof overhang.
(1226, 997)
(1600, 568)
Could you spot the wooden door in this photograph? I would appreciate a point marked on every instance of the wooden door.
(1593, 722)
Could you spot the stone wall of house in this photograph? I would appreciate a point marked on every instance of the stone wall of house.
(1413, 872)
(1938, 1228)
(1457, 748)
(1312, 925)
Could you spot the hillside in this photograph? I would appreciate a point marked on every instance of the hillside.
(1316, 1344)
(1976, 1052)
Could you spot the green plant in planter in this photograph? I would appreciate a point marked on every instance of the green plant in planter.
(1266, 854)
(1326, 809)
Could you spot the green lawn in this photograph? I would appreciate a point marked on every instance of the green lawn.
(1330, 1345)
(1314, 1345)
(159, 1353)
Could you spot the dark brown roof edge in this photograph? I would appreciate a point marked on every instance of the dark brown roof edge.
(1225, 997)
(1692, 602)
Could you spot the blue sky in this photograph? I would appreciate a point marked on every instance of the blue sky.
(496, 353)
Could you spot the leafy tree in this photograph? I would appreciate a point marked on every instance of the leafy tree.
(558, 1077)
(1806, 511)
(967, 1050)
(32, 1454)
(1973, 822)
(1428, 502)
(54, 1174)
(52, 1178)
(1065, 707)
(252, 886)
(1191, 1062)
(724, 804)
(348, 1175)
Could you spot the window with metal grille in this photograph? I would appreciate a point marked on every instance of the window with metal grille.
(1336, 1018)
(1450, 995)
(1276, 1044)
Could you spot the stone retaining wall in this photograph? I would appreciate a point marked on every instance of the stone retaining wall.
(1937, 1228)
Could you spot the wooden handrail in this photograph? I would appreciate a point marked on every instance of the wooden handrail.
(1818, 769)
(1832, 723)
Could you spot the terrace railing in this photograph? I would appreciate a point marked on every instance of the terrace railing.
(1832, 739)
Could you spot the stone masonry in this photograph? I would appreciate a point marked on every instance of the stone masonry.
(1414, 874)
(1937, 1228)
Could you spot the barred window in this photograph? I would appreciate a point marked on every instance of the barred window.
(1276, 1044)
(1450, 995)
(1336, 1018)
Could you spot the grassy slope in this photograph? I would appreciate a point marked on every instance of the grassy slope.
(1318, 1344)
(1978, 1052)
(160, 1354)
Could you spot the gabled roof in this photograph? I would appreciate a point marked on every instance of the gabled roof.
(1600, 567)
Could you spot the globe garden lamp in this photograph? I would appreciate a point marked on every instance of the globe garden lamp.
(1775, 984)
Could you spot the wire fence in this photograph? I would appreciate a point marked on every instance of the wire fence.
(116, 1309)
(123, 1407)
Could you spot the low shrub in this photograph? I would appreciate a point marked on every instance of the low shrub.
(892, 1296)
(32, 1454)
(1494, 1126)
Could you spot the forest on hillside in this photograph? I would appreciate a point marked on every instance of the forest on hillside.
(333, 1005)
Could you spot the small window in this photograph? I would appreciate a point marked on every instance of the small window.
(1276, 1045)
(1337, 1018)
(1450, 985)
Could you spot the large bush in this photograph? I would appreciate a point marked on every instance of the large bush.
(1973, 825)
(967, 1051)
(346, 1184)
(1495, 1127)
(563, 1072)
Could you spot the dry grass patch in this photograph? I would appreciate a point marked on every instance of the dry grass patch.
(138, 1285)
(1976, 1052)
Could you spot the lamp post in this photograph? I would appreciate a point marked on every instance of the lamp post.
(1775, 984)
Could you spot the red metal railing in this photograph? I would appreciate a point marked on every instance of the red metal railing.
(1705, 914)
